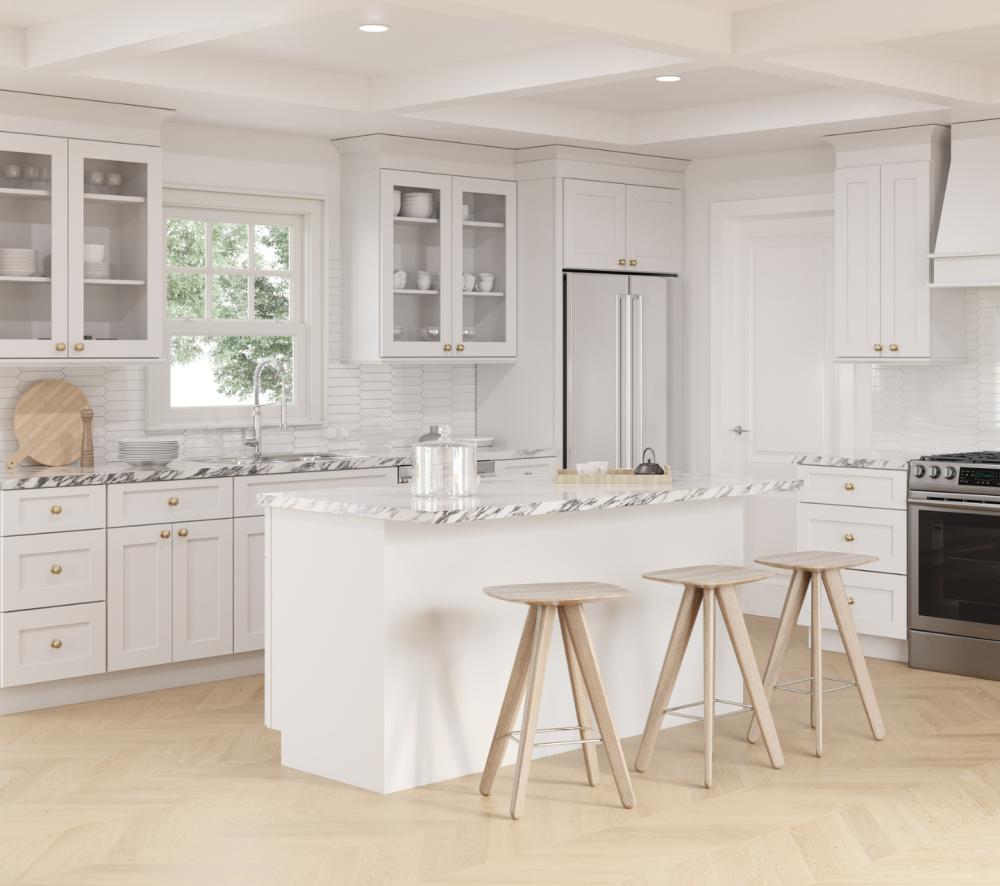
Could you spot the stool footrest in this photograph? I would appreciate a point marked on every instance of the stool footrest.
(847, 685)
(516, 736)
(744, 708)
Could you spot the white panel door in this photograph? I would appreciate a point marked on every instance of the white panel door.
(906, 241)
(653, 226)
(203, 589)
(878, 532)
(594, 225)
(248, 583)
(857, 261)
(54, 643)
(52, 569)
(139, 596)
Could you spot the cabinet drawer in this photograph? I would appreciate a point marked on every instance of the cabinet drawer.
(876, 531)
(860, 487)
(54, 569)
(169, 501)
(879, 603)
(527, 467)
(246, 489)
(51, 644)
(28, 511)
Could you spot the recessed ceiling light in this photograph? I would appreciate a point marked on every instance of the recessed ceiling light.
(668, 78)
(373, 28)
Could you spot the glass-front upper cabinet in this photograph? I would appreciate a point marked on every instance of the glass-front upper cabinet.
(33, 314)
(115, 260)
(417, 285)
(484, 268)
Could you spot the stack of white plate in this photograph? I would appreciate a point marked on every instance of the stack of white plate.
(96, 270)
(417, 204)
(18, 262)
(149, 453)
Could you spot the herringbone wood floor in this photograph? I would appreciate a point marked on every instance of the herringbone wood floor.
(183, 788)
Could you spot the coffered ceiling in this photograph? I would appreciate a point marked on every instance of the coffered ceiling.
(756, 74)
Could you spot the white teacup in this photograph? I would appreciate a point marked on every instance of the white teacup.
(93, 252)
(465, 212)
(399, 280)
(468, 283)
(602, 466)
(423, 280)
(586, 468)
(485, 282)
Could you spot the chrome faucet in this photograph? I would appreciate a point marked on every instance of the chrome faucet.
(254, 442)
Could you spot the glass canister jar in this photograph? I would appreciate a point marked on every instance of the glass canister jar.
(444, 467)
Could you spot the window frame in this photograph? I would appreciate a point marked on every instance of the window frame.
(307, 305)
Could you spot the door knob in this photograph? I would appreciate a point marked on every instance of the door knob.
(878, 348)
(621, 263)
(78, 346)
(893, 347)
(739, 430)
(55, 509)
(850, 601)
(55, 570)
(164, 533)
(173, 501)
(849, 536)
(632, 262)
(447, 347)
(183, 533)
(55, 644)
(849, 487)
(459, 347)
(61, 346)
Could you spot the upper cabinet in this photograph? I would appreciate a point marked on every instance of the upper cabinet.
(615, 227)
(81, 265)
(885, 220)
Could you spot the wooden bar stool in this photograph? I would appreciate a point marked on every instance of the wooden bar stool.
(544, 601)
(706, 583)
(825, 565)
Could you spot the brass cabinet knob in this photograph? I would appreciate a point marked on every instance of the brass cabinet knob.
(55, 570)
(893, 347)
(164, 533)
(55, 509)
(61, 346)
(632, 262)
(849, 536)
(849, 487)
(621, 263)
(447, 347)
(878, 348)
(850, 601)
(78, 346)
(55, 644)
(459, 347)
(183, 533)
(173, 501)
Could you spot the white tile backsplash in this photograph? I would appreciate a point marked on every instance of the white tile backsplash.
(390, 404)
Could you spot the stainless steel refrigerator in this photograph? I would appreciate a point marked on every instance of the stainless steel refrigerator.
(616, 363)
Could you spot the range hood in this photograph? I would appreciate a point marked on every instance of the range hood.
(967, 249)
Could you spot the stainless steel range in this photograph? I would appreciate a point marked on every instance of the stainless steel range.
(954, 564)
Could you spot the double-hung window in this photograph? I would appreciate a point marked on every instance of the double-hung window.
(243, 281)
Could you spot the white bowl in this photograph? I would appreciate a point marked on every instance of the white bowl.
(93, 251)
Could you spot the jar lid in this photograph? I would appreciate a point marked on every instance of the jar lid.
(446, 440)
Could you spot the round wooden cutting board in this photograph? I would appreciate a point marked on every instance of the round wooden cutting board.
(48, 424)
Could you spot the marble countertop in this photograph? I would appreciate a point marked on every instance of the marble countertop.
(899, 463)
(497, 499)
(40, 477)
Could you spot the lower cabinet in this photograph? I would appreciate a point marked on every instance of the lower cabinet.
(170, 593)
(248, 584)
(526, 467)
(51, 644)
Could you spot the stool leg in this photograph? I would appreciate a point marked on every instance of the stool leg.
(584, 648)
(532, 701)
(733, 616)
(581, 702)
(511, 702)
(816, 601)
(708, 620)
(794, 599)
(849, 633)
(679, 638)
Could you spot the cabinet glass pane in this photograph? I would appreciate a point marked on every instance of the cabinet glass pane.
(25, 246)
(416, 262)
(114, 251)
(484, 263)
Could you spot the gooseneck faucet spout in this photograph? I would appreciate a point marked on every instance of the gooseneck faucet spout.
(255, 442)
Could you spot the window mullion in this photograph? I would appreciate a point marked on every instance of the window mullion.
(252, 265)
(209, 307)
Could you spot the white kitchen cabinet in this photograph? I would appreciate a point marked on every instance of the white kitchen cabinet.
(38, 645)
(202, 589)
(135, 504)
(28, 511)
(246, 489)
(877, 531)
(248, 583)
(54, 569)
(54, 312)
(611, 227)
(861, 487)
(526, 467)
(140, 596)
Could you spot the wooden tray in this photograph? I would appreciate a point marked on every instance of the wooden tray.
(616, 477)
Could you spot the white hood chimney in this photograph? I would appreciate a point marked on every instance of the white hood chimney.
(967, 250)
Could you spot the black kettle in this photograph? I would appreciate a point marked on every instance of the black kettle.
(649, 466)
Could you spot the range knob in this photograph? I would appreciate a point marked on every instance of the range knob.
(919, 470)
(935, 472)
(949, 473)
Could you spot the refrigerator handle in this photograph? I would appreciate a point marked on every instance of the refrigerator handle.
(623, 389)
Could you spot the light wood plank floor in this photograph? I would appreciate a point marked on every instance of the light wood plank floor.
(184, 788)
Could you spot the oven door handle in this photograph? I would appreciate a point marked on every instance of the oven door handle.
(954, 506)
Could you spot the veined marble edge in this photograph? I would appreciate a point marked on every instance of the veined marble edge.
(850, 461)
(527, 509)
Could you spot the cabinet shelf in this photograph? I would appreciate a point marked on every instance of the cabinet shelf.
(111, 198)
(416, 292)
(25, 194)
(406, 220)
(480, 294)
(25, 279)
(475, 224)
(92, 281)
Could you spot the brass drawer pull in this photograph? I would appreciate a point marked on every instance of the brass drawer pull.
(459, 347)
(164, 533)
(61, 346)
(893, 347)
(55, 644)
(632, 262)
(173, 501)
(182, 533)
(849, 536)
(55, 509)
(878, 348)
(79, 346)
(850, 601)
(447, 347)
(55, 570)
(621, 263)
(849, 487)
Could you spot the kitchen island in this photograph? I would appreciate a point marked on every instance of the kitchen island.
(386, 664)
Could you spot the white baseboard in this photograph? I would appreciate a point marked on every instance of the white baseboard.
(97, 686)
